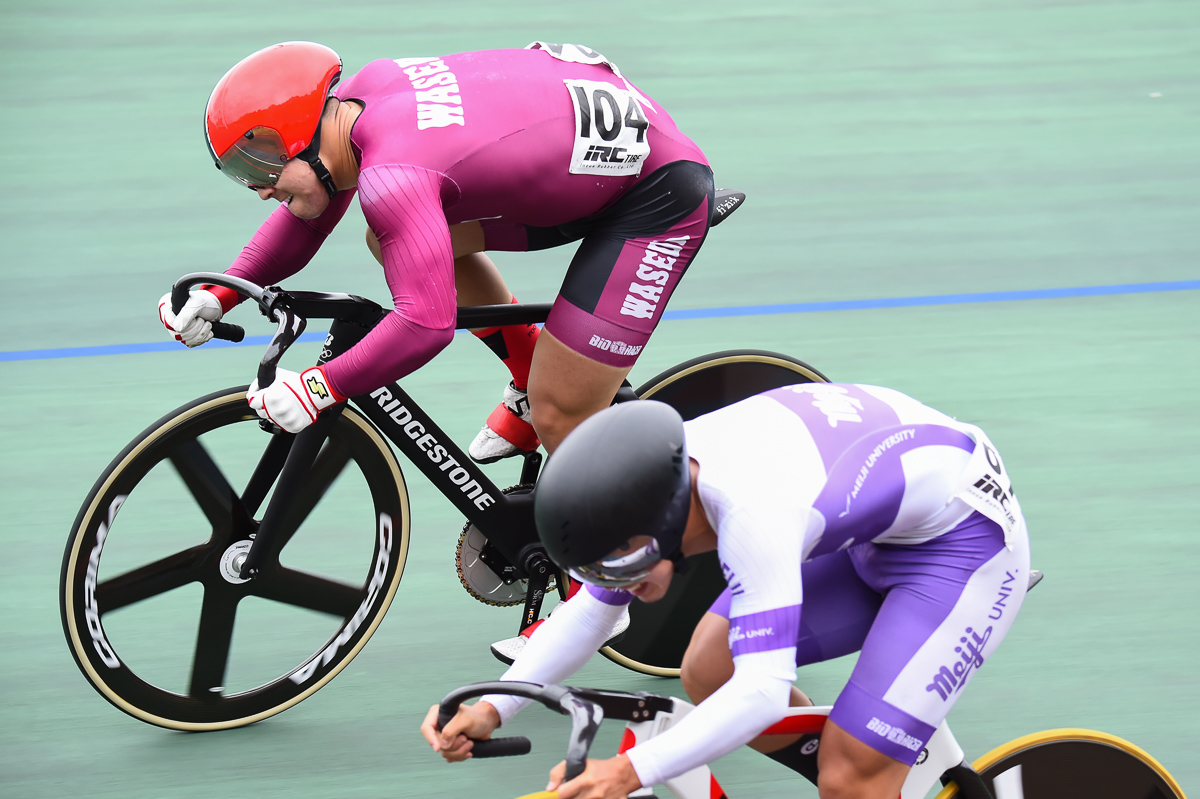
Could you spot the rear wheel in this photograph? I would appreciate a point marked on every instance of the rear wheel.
(153, 606)
(659, 633)
(1060, 763)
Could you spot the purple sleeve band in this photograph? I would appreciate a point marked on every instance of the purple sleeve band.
(609, 597)
(765, 631)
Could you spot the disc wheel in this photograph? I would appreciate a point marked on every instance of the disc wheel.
(473, 561)
(659, 633)
(154, 609)
(1070, 762)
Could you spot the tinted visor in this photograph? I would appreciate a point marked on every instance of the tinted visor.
(255, 159)
(628, 565)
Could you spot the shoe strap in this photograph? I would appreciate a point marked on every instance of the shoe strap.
(513, 429)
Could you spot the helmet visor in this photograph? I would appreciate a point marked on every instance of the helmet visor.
(626, 566)
(256, 159)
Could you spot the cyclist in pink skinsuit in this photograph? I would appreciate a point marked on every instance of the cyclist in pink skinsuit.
(451, 156)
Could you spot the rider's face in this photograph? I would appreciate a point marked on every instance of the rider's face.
(655, 586)
(300, 188)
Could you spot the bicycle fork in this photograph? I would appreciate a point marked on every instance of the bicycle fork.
(301, 454)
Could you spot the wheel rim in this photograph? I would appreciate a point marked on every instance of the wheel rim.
(259, 646)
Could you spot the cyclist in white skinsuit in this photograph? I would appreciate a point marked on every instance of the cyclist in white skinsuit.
(846, 518)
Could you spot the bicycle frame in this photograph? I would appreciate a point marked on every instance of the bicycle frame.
(500, 522)
(942, 756)
(505, 519)
(648, 715)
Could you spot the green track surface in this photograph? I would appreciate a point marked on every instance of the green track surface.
(889, 149)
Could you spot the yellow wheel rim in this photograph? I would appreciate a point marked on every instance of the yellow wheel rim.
(1067, 734)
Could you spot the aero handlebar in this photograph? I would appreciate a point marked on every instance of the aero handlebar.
(290, 325)
(585, 719)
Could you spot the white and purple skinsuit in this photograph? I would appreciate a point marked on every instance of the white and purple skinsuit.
(849, 518)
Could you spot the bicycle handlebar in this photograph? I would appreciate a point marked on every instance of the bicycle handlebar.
(290, 325)
(585, 719)
(221, 330)
(290, 309)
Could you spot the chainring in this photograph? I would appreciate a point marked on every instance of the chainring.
(478, 578)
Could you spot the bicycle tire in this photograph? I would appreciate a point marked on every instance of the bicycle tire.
(171, 457)
(659, 633)
(1071, 762)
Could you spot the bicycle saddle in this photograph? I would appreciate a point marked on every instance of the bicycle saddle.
(725, 202)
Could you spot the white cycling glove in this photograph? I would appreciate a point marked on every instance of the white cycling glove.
(193, 324)
(293, 400)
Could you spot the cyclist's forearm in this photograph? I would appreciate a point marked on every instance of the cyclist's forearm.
(284, 244)
(560, 646)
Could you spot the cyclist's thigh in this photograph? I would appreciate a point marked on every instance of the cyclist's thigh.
(629, 262)
(565, 388)
(948, 604)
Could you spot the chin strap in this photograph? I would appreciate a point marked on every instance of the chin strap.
(312, 155)
(324, 176)
(682, 564)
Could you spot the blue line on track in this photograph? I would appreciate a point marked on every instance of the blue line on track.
(694, 313)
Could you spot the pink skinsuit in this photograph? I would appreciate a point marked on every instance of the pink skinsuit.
(472, 136)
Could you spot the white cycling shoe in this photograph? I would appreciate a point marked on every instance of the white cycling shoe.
(508, 431)
(506, 651)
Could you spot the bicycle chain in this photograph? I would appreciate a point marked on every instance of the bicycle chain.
(459, 566)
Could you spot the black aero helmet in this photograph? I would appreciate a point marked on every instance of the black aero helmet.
(613, 499)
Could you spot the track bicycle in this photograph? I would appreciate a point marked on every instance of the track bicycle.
(281, 553)
(1047, 765)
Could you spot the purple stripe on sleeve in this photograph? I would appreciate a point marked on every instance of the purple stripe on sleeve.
(608, 596)
(764, 631)
(865, 486)
(722, 604)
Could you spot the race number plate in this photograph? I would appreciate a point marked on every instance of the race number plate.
(610, 129)
(575, 53)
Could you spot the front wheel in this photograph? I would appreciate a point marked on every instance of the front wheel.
(153, 606)
(1061, 763)
(659, 633)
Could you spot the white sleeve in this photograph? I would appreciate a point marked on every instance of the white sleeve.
(760, 537)
(754, 698)
(562, 643)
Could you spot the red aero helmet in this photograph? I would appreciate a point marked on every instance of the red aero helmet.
(267, 110)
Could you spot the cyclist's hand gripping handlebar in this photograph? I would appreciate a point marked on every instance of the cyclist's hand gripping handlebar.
(270, 302)
(221, 330)
(585, 719)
